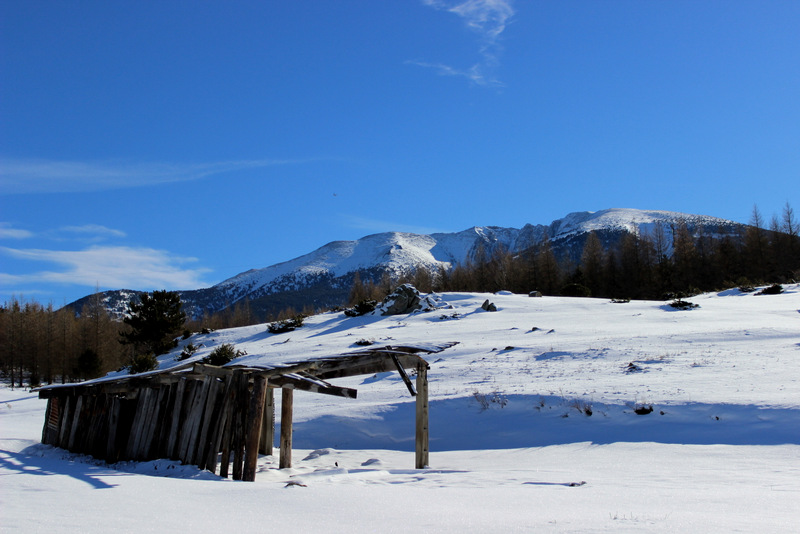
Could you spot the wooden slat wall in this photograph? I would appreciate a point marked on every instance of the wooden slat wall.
(189, 419)
(195, 416)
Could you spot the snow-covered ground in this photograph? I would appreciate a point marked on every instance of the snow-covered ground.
(513, 447)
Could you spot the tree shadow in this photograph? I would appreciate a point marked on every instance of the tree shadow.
(30, 461)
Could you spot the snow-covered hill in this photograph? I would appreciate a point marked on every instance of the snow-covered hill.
(534, 427)
(324, 276)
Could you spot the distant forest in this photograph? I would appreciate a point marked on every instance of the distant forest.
(39, 344)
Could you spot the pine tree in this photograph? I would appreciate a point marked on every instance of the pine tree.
(154, 322)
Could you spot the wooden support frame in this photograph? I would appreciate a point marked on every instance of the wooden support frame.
(287, 407)
(404, 376)
(422, 430)
(193, 412)
(267, 440)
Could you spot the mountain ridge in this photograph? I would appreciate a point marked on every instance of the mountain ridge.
(324, 276)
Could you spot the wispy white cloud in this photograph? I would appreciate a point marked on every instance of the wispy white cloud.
(488, 19)
(18, 176)
(115, 267)
(8, 232)
(474, 73)
(92, 231)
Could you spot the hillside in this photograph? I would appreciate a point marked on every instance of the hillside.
(734, 358)
(533, 426)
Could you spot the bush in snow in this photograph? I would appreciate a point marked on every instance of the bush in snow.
(223, 354)
(679, 304)
(187, 352)
(143, 363)
(362, 308)
(774, 289)
(286, 325)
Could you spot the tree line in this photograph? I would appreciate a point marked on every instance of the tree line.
(43, 345)
(666, 262)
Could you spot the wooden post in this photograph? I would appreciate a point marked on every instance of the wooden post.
(255, 414)
(267, 440)
(287, 401)
(422, 417)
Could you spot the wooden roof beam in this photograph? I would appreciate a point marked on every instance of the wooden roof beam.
(297, 382)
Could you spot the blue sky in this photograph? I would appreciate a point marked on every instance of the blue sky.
(150, 145)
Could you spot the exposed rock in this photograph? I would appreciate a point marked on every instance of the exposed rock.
(535, 294)
(407, 299)
(404, 299)
(489, 306)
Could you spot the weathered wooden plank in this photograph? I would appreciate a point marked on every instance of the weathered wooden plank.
(132, 451)
(75, 427)
(162, 420)
(175, 420)
(193, 422)
(403, 375)
(84, 424)
(422, 430)
(66, 422)
(165, 422)
(242, 402)
(230, 424)
(113, 420)
(145, 422)
(266, 442)
(220, 423)
(212, 370)
(255, 414)
(63, 417)
(127, 414)
(303, 384)
(287, 407)
(365, 362)
(203, 431)
(88, 423)
(51, 416)
(150, 428)
(189, 396)
(96, 433)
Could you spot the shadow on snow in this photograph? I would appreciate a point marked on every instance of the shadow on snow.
(518, 421)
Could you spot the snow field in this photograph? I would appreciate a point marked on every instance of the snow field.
(511, 438)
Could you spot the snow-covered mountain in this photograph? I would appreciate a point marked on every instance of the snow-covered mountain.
(324, 276)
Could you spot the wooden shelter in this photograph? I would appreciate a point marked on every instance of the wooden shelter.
(204, 415)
